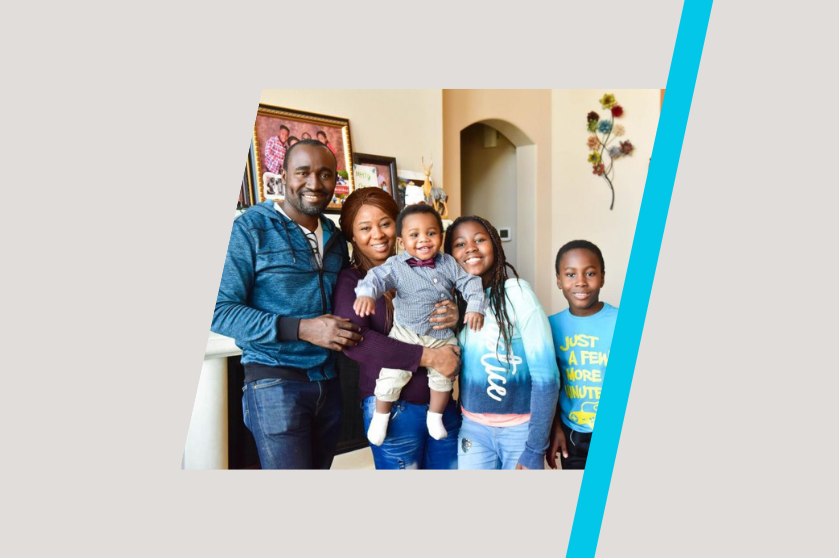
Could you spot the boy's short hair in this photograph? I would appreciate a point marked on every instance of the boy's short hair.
(284, 127)
(580, 244)
(417, 209)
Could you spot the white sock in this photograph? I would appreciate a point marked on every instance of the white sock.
(434, 422)
(378, 428)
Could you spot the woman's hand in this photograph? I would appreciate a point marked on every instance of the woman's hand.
(445, 360)
(445, 314)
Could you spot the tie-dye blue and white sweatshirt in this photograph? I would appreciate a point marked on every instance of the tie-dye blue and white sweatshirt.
(526, 381)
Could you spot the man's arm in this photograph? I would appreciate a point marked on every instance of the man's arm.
(234, 318)
(232, 315)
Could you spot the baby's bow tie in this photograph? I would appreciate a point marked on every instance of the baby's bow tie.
(413, 262)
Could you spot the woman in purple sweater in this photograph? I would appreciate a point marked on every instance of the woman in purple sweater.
(368, 221)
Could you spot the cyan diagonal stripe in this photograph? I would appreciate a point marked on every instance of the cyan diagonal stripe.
(684, 66)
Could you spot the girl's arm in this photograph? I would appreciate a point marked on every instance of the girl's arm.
(544, 375)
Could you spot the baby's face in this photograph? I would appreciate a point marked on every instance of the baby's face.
(421, 236)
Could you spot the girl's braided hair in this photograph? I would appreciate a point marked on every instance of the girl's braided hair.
(497, 277)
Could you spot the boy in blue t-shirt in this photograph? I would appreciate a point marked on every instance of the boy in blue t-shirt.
(582, 336)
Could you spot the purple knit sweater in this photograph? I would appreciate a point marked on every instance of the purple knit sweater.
(378, 350)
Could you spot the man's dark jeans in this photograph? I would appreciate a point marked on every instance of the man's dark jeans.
(296, 425)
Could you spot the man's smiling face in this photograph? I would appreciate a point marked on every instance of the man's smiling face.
(310, 180)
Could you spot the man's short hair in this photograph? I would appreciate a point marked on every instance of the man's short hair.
(306, 142)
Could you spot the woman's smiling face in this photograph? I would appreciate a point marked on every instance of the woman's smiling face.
(374, 232)
(472, 248)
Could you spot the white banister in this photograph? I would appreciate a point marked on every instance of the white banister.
(207, 439)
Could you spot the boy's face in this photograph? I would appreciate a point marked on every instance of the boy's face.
(421, 236)
(580, 279)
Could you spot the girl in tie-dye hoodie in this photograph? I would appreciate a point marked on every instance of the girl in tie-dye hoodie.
(509, 381)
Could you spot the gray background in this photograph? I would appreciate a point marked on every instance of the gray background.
(124, 135)
(728, 447)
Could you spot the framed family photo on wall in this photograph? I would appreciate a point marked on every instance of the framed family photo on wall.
(276, 129)
(376, 171)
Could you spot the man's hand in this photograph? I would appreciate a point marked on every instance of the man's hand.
(475, 321)
(364, 306)
(558, 443)
(445, 360)
(520, 467)
(445, 315)
(329, 332)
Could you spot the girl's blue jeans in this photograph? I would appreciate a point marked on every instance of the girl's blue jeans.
(490, 447)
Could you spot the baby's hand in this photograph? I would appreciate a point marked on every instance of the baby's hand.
(364, 306)
(475, 321)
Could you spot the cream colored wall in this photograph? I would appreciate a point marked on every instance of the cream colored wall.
(406, 124)
(489, 182)
(564, 200)
(580, 201)
(524, 117)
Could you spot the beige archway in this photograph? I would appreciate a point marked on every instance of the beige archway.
(498, 182)
(524, 117)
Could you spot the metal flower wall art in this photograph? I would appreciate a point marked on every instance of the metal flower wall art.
(602, 141)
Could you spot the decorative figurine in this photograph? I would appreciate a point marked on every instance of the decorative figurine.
(434, 195)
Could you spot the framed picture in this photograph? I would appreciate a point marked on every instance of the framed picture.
(246, 193)
(411, 187)
(378, 172)
(276, 129)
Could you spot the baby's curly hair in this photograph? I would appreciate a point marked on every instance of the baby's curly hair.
(417, 209)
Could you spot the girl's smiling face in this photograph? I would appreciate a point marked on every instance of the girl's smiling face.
(473, 250)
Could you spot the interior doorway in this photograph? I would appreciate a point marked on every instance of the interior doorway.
(488, 182)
